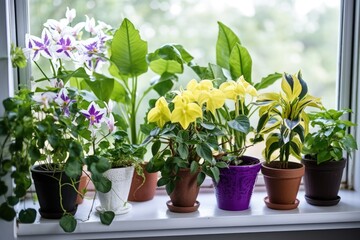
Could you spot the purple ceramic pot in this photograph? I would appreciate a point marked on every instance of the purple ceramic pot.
(236, 185)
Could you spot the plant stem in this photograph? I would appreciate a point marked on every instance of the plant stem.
(133, 111)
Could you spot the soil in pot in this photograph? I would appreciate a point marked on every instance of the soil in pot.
(235, 187)
(47, 190)
(143, 188)
(322, 181)
(282, 185)
(183, 198)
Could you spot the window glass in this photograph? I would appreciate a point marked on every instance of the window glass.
(281, 36)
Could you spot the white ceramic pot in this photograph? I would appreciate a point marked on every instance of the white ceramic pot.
(116, 199)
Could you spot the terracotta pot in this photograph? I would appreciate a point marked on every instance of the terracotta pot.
(84, 180)
(282, 185)
(235, 187)
(322, 182)
(183, 198)
(143, 189)
(47, 189)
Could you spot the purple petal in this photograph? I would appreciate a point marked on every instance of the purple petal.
(92, 110)
(98, 117)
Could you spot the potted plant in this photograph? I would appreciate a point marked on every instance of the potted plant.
(124, 158)
(324, 155)
(235, 186)
(288, 124)
(183, 138)
(43, 141)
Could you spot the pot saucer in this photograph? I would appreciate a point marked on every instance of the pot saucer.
(119, 211)
(177, 209)
(320, 202)
(281, 206)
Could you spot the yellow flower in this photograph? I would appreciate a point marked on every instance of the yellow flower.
(213, 98)
(160, 114)
(235, 90)
(185, 112)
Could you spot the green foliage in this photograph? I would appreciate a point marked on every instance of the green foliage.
(285, 114)
(68, 223)
(107, 217)
(331, 137)
(18, 58)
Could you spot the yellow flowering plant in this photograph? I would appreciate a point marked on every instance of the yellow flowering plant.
(183, 133)
(198, 126)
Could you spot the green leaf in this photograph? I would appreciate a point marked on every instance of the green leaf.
(185, 55)
(163, 181)
(6, 212)
(350, 142)
(73, 168)
(101, 86)
(268, 81)
(128, 50)
(102, 184)
(194, 167)
(68, 223)
(170, 187)
(241, 123)
(222, 165)
(215, 174)
(291, 124)
(226, 41)
(161, 66)
(204, 151)
(27, 215)
(164, 83)
(200, 178)
(107, 217)
(155, 147)
(12, 200)
(217, 73)
(3, 188)
(240, 63)
(119, 93)
(103, 165)
(183, 150)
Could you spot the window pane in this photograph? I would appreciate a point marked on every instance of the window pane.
(282, 36)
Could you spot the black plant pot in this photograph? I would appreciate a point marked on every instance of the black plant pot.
(322, 182)
(47, 189)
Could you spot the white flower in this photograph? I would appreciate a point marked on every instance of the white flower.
(70, 14)
(90, 25)
(45, 98)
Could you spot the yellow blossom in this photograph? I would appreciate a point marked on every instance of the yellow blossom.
(160, 114)
(185, 112)
(214, 99)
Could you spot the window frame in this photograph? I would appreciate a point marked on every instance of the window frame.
(14, 22)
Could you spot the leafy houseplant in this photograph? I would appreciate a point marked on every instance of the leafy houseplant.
(184, 138)
(43, 132)
(324, 155)
(233, 61)
(288, 124)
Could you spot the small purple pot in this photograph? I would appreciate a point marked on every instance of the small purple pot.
(236, 185)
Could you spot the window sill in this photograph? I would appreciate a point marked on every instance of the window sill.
(152, 219)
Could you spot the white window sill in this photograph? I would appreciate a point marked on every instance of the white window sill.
(152, 219)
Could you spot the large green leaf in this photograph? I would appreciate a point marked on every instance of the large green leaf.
(166, 59)
(226, 41)
(268, 80)
(101, 86)
(240, 63)
(128, 50)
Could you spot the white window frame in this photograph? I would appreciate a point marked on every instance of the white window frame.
(14, 22)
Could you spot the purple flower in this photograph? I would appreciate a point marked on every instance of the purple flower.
(64, 101)
(39, 46)
(94, 113)
(64, 47)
